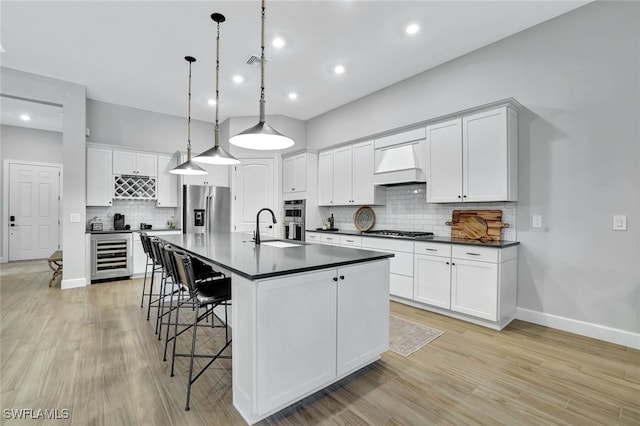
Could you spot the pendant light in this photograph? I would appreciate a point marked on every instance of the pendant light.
(188, 167)
(262, 136)
(217, 155)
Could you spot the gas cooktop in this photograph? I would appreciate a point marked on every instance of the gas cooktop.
(405, 234)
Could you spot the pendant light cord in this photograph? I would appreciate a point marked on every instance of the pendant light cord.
(189, 119)
(217, 128)
(262, 60)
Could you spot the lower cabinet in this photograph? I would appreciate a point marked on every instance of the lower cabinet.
(296, 334)
(478, 282)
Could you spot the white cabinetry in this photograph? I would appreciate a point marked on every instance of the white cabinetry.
(345, 176)
(478, 282)
(328, 329)
(474, 158)
(401, 277)
(134, 163)
(167, 182)
(299, 177)
(99, 177)
(217, 175)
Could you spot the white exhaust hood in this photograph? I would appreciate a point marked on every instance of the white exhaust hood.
(399, 158)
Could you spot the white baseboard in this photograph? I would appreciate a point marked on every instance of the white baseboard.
(600, 332)
(73, 283)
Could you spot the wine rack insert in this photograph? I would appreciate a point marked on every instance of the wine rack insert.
(127, 187)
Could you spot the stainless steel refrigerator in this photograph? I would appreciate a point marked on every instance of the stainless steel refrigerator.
(206, 209)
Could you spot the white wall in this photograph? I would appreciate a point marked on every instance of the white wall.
(72, 97)
(578, 79)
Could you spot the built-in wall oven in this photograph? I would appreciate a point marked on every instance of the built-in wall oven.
(111, 256)
(294, 221)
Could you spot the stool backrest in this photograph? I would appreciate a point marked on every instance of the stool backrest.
(155, 252)
(170, 262)
(144, 239)
(184, 270)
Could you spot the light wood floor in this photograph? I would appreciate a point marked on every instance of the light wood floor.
(91, 351)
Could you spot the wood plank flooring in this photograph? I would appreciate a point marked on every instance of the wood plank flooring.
(91, 351)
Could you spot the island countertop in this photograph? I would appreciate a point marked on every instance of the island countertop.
(236, 252)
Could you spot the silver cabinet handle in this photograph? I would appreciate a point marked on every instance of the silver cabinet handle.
(430, 249)
(473, 254)
(349, 241)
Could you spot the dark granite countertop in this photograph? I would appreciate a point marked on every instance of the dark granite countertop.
(444, 240)
(236, 252)
(124, 231)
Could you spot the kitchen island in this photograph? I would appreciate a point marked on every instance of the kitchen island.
(304, 315)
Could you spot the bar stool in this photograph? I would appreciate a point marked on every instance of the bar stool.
(206, 294)
(144, 240)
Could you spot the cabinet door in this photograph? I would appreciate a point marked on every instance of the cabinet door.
(146, 164)
(298, 313)
(139, 256)
(444, 162)
(363, 314)
(485, 161)
(300, 173)
(100, 185)
(167, 182)
(124, 162)
(474, 288)
(289, 175)
(363, 162)
(217, 175)
(342, 176)
(325, 178)
(194, 179)
(432, 281)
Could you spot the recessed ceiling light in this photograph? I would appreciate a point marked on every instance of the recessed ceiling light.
(238, 79)
(278, 42)
(338, 69)
(211, 102)
(25, 117)
(412, 29)
(293, 96)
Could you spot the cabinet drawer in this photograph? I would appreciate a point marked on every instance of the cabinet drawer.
(350, 240)
(330, 239)
(312, 237)
(482, 254)
(433, 249)
(387, 244)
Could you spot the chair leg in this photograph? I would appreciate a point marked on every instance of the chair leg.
(153, 274)
(161, 301)
(193, 351)
(144, 283)
(175, 338)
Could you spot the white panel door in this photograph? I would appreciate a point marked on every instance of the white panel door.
(363, 162)
(485, 174)
(432, 282)
(300, 173)
(124, 162)
(147, 164)
(34, 206)
(297, 314)
(100, 185)
(325, 178)
(289, 175)
(343, 176)
(444, 162)
(167, 182)
(474, 288)
(253, 188)
(363, 314)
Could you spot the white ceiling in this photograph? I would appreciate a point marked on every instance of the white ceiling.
(131, 53)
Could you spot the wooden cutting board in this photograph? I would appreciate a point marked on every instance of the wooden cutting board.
(477, 224)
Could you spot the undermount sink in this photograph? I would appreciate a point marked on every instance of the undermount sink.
(279, 244)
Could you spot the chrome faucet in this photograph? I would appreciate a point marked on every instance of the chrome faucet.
(256, 238)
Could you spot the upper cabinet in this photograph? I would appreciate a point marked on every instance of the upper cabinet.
(217, 175)
(99, 177)
(345, 176)
(474, 158)
(134, 163)
(167, 190)
(299, 176)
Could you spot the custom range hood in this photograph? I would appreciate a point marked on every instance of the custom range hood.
(399, 158)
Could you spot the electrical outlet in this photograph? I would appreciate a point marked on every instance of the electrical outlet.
(619, 223)
(536, 221)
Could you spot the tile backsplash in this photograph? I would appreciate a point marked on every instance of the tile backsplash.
(407, 210)
(135, 212)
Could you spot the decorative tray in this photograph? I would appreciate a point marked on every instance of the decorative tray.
(364, 219)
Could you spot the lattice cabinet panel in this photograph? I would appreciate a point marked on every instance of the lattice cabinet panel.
(135, 187)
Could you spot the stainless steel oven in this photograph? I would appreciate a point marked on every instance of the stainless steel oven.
(294, 221)
(111, 256)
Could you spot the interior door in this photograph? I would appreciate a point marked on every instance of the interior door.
(34, 211)
(253, 188)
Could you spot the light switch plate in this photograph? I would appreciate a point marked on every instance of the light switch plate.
(74, 217)
(619, 223)
(536, 221)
